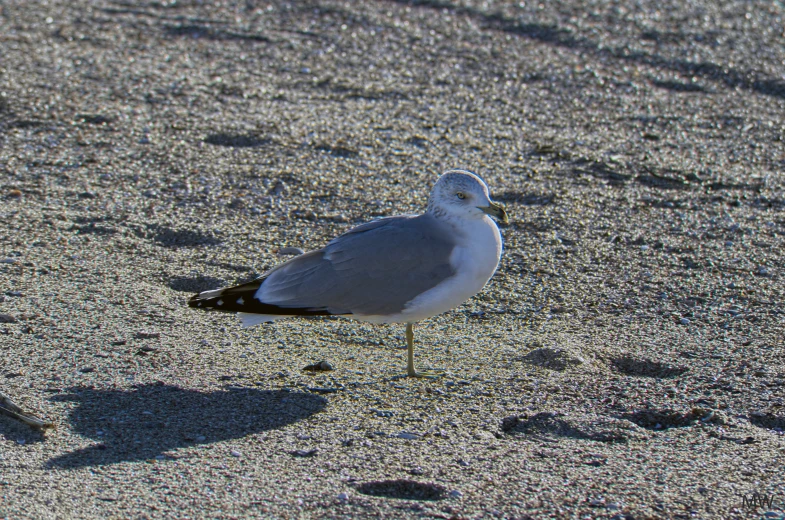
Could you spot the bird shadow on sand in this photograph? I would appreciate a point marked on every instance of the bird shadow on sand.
(150, 420)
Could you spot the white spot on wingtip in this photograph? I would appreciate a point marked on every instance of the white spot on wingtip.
(240, 300)
(219, 302)
(199, 304)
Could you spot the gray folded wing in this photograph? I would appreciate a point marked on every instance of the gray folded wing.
(374, 269)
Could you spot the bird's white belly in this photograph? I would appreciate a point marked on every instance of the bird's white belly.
(475, 260)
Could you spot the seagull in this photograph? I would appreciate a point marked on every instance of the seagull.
(401, 269)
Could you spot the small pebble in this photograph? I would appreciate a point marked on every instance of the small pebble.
(8, 260)
(408, 436)
(304, 453)
(280, 188)
(7, 318)
(684, 321)
(321, 366)
(235, 453)
(144, 334)
(343, 496)
(322, 390)
(456, 494)
(14, 293)
(14, 193)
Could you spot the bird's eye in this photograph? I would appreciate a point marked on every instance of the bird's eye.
(460, 195)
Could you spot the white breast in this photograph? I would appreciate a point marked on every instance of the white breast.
(475, 259)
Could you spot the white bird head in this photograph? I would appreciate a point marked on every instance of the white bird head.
(460, 193)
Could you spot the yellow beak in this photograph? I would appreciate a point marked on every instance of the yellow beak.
(497, 211)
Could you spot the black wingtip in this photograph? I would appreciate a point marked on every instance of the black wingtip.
(241, 299)
(229, 299)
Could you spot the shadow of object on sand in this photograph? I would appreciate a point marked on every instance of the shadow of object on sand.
(149, 420)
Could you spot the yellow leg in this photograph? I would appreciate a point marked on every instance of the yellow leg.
(410, 371)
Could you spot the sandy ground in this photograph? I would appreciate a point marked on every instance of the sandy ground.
(626, 361)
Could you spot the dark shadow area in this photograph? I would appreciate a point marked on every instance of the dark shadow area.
(600, 170)
(403, 489)
(26, 123)
(169, 237)
(194, 30)
(664, 418)
(93, 119)
(663, 36)
(337, 150)
(531, 199)
(149, 420)
(236, 140)
(670, 180)
(665, 203)
(554, 424)
(93, 229)
(194, 284)
(678, 86)
(719, 186)
(183, 237)
(92, 219)
(768, 420)
(578, 165)
(646, 368)
(419, 142)
(185, 26)
(766, 202)
(730, 76)
(177, 25)
(552, 359)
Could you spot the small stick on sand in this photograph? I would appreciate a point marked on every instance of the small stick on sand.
(11, 409)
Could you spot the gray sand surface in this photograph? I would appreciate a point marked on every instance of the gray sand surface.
(626, 361)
